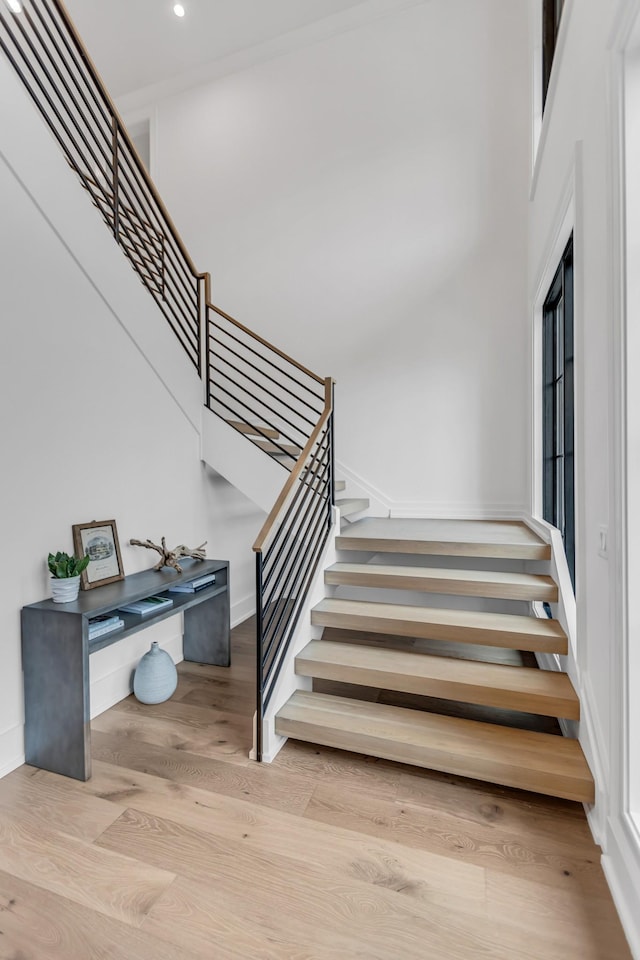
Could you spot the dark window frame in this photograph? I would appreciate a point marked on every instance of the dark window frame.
(558, 403)
(551, 16)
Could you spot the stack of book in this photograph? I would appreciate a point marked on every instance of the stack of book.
(102, 624)
(147, 606)
(190, 586)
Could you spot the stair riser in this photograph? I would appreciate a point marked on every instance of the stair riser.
(442, 689)
(446, 549)
(506, 774)
(429, 631)
(444, 587)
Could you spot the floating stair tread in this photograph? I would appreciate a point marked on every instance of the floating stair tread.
(435, 623)
(279, 449)
(540, 762)
(256, 430)
(474, 583)
(349, 505)
(509, 539)
(494, 685)
(340, 485)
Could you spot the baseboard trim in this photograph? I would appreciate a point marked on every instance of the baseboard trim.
(621, 866)
(241, 610)
(456, 511)
(11, 749)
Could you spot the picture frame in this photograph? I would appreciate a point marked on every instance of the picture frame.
(99, 540)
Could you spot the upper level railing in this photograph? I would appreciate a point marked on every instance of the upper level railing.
(278, 404)
(252, 384)
(44, 48)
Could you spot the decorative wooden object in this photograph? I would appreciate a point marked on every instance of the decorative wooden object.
(170, 557)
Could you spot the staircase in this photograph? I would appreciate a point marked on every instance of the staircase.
(428, 665)
(420, 625)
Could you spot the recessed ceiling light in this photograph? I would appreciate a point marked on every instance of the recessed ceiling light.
(15, 6)
(178, 9)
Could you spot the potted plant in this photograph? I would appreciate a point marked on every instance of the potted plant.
(65, 575)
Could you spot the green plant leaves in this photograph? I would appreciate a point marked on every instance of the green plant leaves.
(62, 566)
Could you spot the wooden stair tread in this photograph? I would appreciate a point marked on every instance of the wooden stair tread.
(349, 505)
(257, 430)
(523, 759)
(506, 687)
(464, 538)
(467, 626)
(278, 449)
(478, 583)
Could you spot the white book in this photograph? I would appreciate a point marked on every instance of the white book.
(102, 620)
(190, 586)
(104, 628)
(147, 606)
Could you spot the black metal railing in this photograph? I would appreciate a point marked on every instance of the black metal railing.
(288, 552)
(258, 389)
(47, 54)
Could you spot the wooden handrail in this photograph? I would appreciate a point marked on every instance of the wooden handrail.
(294, 476)
(125, 134)
(265, 343)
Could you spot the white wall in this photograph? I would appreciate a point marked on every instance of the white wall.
(362, 203)
(91, 427)
(578, 163)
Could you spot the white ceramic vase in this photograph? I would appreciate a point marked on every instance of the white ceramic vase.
(66, 590)
(156, 677)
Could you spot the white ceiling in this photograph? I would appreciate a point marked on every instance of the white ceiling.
(137, 43)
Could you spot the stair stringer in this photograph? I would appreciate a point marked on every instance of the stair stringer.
(564, 610)
(288, 681)
(257, 475)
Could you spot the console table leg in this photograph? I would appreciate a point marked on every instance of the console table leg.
(206, 631)
(56, 693)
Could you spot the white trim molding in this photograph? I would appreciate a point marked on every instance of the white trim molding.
(12, 745)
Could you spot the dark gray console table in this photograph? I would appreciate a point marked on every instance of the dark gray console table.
(56, 651)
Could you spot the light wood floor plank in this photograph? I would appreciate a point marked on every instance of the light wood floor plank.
(549, 862)
(269, 832)
(197, 915)
(36, 924)
(261, 783)
(551, 820)
(181, 726)
(588, 924)
(112, 883)
(51, 806)
(378, 912)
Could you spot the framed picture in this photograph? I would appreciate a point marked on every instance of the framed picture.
(99, 541)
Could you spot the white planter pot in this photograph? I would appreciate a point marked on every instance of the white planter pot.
(64, 591)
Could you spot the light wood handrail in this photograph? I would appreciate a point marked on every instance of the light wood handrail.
(265, 343)
(294, 476)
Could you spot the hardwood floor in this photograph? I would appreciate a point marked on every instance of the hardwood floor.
(180, 847)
